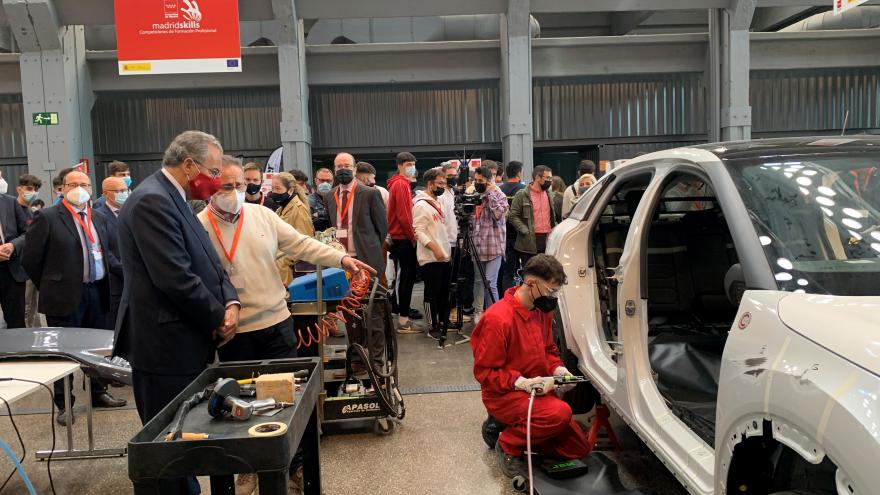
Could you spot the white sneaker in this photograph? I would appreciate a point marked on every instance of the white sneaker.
(406, 327)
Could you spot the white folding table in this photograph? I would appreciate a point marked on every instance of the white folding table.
(47, 372)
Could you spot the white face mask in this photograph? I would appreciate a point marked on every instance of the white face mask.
(121, 197)
(78, 196)
(4, 187)
(230, 203)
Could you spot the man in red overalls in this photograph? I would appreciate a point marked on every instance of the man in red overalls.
(514, 352)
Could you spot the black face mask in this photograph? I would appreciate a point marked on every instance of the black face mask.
(452, 181)
(480, 188)
(438, 191)
(280, 198)
(344, 176)
(546, 304)
(253, 189)
(546, 185)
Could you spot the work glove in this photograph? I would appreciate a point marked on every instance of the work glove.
(542, 384)
(563, 371)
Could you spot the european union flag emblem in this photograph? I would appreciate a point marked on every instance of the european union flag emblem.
(232, 62)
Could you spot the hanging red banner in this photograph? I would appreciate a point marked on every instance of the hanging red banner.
(177, 36)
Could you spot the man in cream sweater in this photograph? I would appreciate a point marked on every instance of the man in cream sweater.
(247, 238)
(432, 247)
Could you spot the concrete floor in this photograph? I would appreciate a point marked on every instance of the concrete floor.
(436, 450)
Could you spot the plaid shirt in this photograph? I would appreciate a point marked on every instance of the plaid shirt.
(490, 230)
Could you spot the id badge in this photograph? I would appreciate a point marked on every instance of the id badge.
(237, 281)
(342, 233)
(235, 278)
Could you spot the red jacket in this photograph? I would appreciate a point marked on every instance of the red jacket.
(510, 341)
(400, 219)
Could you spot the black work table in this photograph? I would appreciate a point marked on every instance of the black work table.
(233, 450)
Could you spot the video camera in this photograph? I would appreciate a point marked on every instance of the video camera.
(465, 204)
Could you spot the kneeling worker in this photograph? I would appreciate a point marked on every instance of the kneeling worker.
(514, 353)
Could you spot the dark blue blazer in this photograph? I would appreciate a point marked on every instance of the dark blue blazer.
(53, 260)
(111, 224)
(176, 291)
(15, 224)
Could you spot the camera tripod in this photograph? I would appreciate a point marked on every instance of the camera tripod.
(464, 245)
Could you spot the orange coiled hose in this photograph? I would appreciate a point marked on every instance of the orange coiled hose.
(358, 287)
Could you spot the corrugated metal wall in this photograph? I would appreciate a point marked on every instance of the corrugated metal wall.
(12, 138)
(404, 115)
(605, 107)
(145, 122)
(815, 100)
(631, 150)
(647, 106)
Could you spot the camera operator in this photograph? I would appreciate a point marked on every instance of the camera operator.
(490, 230)
(450, 169)
(433, 249)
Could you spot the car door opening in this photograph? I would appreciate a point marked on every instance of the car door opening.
(689, 253)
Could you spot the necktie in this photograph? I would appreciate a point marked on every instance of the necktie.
(93, 269)
(343, 218)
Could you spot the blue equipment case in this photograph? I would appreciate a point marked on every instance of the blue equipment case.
(305, 288)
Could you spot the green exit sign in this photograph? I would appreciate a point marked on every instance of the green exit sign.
(46, 118)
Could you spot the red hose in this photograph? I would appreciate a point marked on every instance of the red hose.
(357, 290)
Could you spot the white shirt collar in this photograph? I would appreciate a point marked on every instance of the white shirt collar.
(174, 183)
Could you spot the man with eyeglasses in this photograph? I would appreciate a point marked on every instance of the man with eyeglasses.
(177, 302)
(65, 255)
(116, 192)
(514, 354)
(246, 238)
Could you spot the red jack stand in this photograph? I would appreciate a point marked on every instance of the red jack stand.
(601, 421)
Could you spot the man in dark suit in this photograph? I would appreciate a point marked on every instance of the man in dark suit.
(358, 214)
(115, 193)
(13, 225)
(27, 190)
(64, 256)
(177, 302)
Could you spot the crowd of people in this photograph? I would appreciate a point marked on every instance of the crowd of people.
(192, 265)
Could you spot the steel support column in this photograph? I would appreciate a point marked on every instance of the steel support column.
(713, 76)
(54, 78)
(516, 85)
(296, 135)
(736, 113)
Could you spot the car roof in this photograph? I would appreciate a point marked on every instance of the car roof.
(736, 150)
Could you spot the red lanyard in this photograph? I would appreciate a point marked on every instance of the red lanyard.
(262, 199)
(347, 202)
(87, 227)
(229, 254)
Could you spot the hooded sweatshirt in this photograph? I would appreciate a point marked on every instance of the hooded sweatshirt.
(429, 227)
(400, 209)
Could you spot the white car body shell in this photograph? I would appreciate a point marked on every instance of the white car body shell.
(807, 363)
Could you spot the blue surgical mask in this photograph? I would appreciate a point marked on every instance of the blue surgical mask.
(324, 187)
(411, 171)
(121, 197)
(127, 181)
